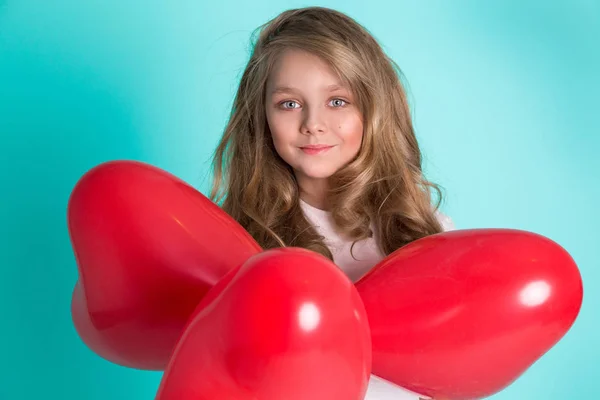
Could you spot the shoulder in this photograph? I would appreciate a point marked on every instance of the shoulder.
(445, 221)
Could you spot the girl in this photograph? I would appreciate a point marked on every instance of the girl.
(320, 150)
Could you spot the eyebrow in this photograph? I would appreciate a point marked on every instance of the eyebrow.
(289, 89)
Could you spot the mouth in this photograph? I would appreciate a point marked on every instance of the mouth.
(315, 149)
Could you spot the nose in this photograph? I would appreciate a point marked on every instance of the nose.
(313, 122)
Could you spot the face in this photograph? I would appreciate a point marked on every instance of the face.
(315, 125)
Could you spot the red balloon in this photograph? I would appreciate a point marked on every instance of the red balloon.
(462, 314)
(288, 325)
(148, 248)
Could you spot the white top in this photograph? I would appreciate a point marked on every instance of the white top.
(366, 255)
(366, 252)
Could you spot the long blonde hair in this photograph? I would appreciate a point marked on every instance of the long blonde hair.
(384, 184)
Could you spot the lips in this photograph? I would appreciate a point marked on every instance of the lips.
(315, 149)
(316, 146)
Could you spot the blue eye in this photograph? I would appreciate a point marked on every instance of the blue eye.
(287, 102)
(343, 101)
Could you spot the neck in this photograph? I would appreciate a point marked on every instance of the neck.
(319, 203)
(314, 193)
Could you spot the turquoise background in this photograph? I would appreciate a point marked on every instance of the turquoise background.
(505, 98)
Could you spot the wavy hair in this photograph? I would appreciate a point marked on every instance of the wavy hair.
(384, 184)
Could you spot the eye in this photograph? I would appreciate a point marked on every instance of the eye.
(288, 102)
(338, 103)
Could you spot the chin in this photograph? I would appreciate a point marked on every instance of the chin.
(318, 174)
(322, 176)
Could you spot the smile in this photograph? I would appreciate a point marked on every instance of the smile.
(315, 150)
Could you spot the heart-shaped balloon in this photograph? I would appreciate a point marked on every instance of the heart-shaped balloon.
(148, 248)
(462, 314)
(288, 325)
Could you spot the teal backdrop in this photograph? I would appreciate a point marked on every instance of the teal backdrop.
(505, 101)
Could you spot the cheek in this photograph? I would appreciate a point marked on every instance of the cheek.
(281, 138)
(280, 145)
(281, 135)
(352, 134)
(277, 131)
(280, 125)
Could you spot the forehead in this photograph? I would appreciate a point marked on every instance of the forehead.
(300, 69)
